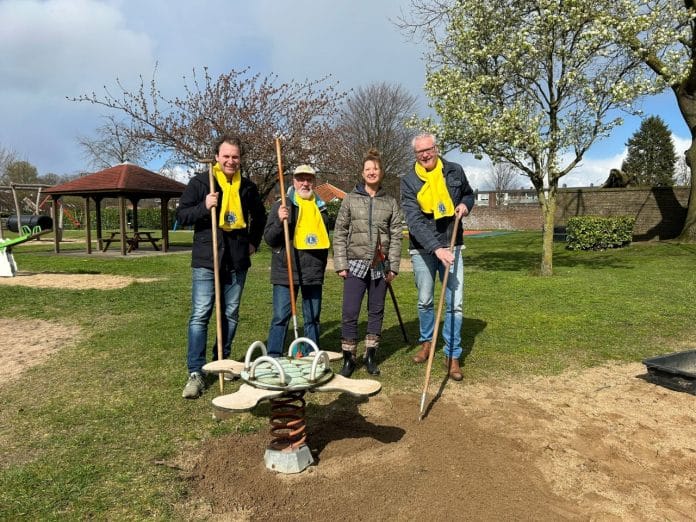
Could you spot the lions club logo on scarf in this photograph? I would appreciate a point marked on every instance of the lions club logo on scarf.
(231, 216)
(310, 231)
(433, 197)
(311, 240)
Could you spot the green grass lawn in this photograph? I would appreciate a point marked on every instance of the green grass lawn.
(85, 434)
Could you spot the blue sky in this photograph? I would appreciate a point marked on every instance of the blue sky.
(53, 49)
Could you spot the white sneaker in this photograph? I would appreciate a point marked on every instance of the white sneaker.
(194, 386)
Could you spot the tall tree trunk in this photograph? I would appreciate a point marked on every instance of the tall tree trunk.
(548, 210)
(688, 233)
(687, 106)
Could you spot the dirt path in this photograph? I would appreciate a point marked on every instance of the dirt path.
(598, 444)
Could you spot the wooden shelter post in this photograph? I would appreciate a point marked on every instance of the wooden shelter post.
(88, 228)
(98, 216)
(57, 231)
(164, 223)
(122, 222)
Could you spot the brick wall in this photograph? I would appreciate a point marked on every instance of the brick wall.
(659, 212)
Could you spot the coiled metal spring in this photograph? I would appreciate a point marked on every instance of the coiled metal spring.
(288, 421)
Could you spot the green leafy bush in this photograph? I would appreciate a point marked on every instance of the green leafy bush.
(599, 233)
(332, 212)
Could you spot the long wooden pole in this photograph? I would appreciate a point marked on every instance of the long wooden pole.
(437, 321)
(216, 272)
(286, 231)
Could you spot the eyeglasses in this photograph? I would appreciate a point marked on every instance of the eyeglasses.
(304, 178)
(429, 150)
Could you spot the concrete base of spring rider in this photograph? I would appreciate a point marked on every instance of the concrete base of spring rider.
(289, 460)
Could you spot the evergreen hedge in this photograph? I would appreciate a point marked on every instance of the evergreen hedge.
(599, 233)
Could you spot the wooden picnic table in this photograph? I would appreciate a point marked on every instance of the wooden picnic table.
(133, 240)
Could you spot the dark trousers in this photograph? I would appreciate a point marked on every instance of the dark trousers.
(353, 291)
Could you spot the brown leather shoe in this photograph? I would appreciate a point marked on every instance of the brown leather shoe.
(423, 353)
(452, 366)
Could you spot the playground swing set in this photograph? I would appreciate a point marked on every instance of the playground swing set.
(29, 227)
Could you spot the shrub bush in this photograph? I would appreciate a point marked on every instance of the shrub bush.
(599, 233)
(332, 208)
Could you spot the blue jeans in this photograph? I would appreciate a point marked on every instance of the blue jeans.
(311, 310)
(424, 268)
(202, 305)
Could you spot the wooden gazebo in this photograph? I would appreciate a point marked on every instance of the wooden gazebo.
(125, 182)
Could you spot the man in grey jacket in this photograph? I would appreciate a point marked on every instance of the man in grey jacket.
(433, 193)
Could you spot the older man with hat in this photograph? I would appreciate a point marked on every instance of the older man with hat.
(309, 246)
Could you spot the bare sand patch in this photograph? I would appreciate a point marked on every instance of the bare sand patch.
(72, 281)
(29, 342)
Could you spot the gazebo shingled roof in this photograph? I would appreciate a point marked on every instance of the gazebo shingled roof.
(124, 181)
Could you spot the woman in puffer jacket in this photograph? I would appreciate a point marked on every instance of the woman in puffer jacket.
(367, 254)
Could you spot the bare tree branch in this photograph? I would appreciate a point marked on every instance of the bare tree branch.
(374, 117)
(255, 108)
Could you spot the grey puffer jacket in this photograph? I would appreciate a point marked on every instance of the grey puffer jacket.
(360, 222)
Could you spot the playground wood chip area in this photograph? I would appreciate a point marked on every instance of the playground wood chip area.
(591, 444)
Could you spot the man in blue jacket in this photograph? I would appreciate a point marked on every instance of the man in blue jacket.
(242, 218)
(432, 194)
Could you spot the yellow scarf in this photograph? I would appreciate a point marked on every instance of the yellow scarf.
(231, 215)
(433, 197)
(310, 231)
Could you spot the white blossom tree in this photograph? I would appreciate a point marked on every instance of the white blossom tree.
(529, 82)
(662, 34)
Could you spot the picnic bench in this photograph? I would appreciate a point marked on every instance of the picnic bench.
(133, 240)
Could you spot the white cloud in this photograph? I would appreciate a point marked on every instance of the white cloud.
(593, 170)
(356, 41)
(53, 47)
(680, 144)
(178, 173)
(50, 49)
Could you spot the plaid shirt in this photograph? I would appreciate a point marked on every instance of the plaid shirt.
(359, 268)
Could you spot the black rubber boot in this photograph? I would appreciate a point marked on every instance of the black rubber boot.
(370, 362)
(348, 364)
(370, 359)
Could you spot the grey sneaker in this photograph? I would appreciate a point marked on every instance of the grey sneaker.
(194, 386)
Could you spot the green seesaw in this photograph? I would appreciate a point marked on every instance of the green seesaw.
(8, 267)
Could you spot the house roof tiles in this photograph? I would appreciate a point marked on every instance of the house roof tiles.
(328, 192)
